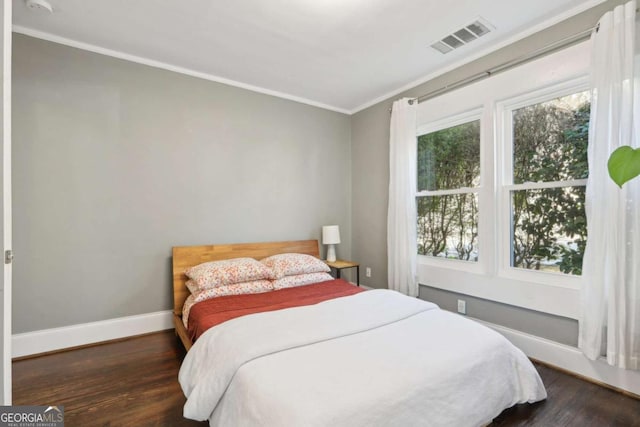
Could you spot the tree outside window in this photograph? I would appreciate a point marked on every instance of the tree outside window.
(547, 192)
(447, 202)
(548, 227)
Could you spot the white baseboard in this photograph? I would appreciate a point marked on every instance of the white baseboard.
(560, 355)
(42, 341)
(569, 358)
(45, 340)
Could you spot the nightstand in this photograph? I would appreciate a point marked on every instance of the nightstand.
(340, 264)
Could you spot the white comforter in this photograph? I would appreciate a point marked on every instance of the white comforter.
(377, 358)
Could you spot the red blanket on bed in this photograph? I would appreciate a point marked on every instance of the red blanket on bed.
(212, 312)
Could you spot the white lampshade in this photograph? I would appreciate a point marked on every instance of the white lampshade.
(330, 234)
(331, 237)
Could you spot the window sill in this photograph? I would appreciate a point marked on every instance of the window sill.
(541, 277)
(451, 264)
(553, 299)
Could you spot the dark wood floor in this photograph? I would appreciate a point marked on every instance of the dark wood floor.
(134, 383)
(126, 383)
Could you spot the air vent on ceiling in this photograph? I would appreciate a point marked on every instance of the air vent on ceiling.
(464, 35)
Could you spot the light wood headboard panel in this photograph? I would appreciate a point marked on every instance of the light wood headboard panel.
(188, 256)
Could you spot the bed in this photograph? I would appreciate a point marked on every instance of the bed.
(184, 257)
(374, 358)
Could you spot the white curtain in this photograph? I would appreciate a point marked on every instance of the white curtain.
(610, 291)
(401, 219)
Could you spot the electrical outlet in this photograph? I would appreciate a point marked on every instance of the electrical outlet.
(462, 306)
(367, 271)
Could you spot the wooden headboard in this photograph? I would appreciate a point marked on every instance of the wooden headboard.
(188, 256)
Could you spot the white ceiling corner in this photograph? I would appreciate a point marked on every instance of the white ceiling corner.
(342, 55)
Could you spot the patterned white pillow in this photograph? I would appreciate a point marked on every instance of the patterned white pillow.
(255, 287)
(301, 280)
(293, 264)
(228, 272)
(186, 309)
(192, 286)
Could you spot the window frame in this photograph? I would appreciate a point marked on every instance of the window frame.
(484, 280)
(466, 116)
(504, 186)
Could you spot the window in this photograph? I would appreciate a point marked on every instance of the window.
(447, 200)
(548, 170)
(501, 167)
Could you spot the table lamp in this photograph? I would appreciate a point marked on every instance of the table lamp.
(331, 237)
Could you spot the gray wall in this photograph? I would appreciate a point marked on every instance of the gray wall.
(115, 162)
(370, 168)
(556, 328)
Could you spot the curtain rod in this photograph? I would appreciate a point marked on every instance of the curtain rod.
(538, 53)
(553, 47)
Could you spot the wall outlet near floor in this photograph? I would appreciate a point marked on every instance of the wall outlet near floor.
(367, 271)
(462, 306)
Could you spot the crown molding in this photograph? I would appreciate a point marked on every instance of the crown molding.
(170, 67)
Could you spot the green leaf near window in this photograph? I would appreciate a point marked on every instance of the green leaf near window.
(624, 164)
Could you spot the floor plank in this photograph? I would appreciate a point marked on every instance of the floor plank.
(573, 402)
(126, 383)
(134, 382)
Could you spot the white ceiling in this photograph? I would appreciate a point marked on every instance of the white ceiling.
(338, 54)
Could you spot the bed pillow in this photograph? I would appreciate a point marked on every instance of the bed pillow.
(253, 287)
(227, 272)
(300, 280)
(192, 286)
(294, 264)
(186, 309)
